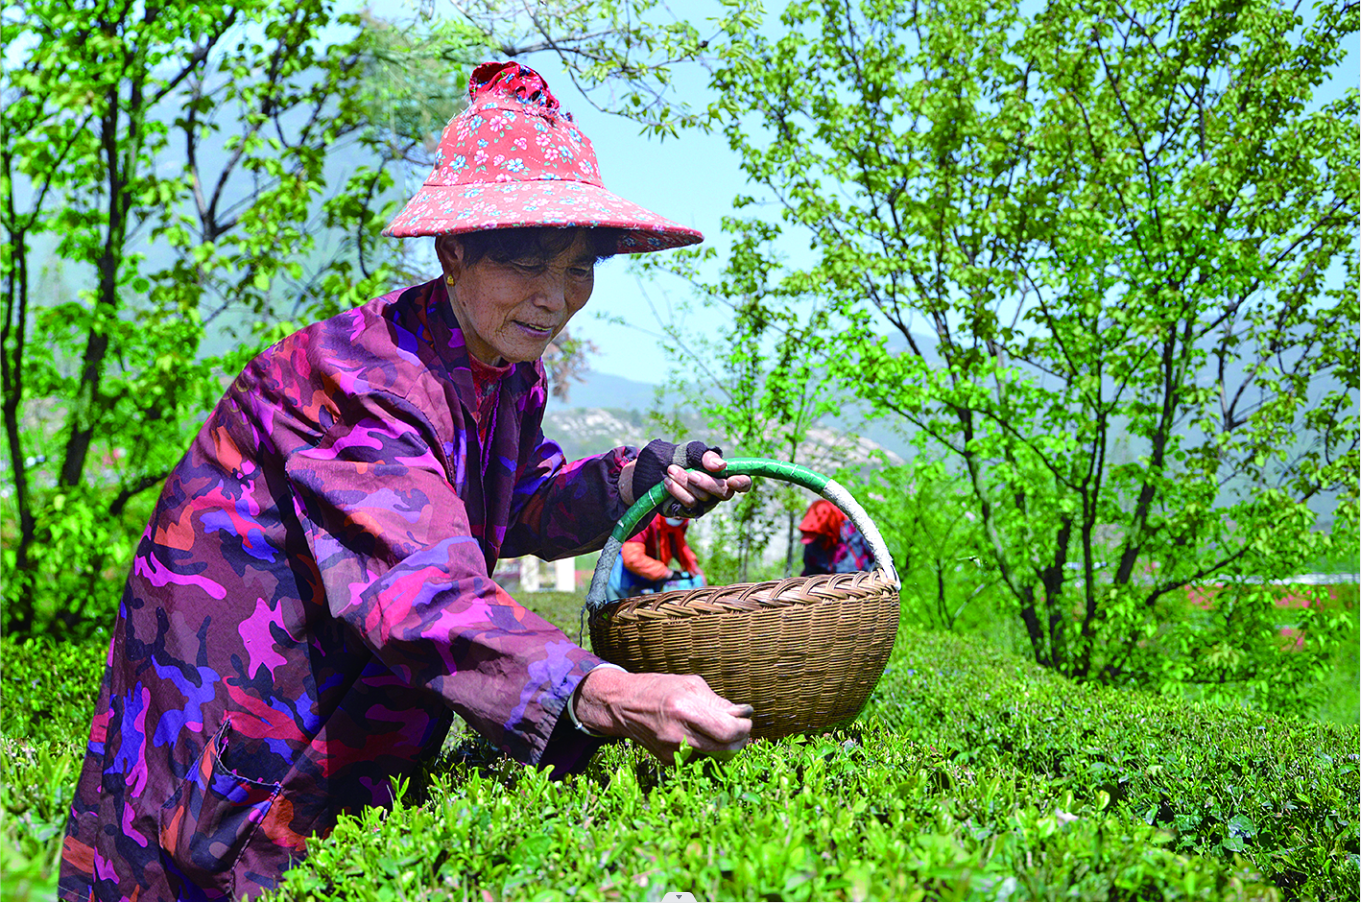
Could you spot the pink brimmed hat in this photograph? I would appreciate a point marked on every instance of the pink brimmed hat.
(514, 158)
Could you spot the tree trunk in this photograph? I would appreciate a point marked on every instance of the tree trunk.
(19, 606)
(84, 413)
(789, 548)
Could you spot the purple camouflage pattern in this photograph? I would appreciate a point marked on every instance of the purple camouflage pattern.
(311, 603)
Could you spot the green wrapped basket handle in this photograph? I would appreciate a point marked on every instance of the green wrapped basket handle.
(824, 486)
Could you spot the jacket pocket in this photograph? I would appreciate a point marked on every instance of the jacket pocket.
(207, 823)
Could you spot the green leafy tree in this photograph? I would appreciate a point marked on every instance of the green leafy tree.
(624, 55)
(1114, 245)
(1110, 221)
(177, 178)
(934, 536)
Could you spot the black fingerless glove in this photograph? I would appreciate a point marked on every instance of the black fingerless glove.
(657, 456)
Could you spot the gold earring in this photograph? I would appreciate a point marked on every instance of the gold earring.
(450, 280)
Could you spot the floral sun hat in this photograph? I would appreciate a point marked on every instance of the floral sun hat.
(513, 158)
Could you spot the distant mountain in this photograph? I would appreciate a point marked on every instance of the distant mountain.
(605, 390)
(604, 411)
(590, 431)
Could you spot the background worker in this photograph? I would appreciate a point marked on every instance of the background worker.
(831, 543)
(644, 563)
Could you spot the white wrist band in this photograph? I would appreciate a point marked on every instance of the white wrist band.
(571, 709)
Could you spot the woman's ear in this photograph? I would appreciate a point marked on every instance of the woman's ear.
(449, 250)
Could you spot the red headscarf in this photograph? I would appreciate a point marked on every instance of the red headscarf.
(822, 523)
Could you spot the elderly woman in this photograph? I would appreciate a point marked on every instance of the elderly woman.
(311, 603)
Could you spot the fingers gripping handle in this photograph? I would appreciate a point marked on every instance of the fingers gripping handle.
(824, 486)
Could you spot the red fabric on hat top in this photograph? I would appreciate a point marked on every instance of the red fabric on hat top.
(499, 126)
(822, 522)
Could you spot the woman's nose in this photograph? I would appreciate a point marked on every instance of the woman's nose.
(551, 292)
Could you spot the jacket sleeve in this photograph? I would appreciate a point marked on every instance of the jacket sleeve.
(563, 508)
(400, 564)
(639, 562)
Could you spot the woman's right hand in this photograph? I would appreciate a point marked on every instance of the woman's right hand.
(660, 710)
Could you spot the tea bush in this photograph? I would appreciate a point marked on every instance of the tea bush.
(48, 687)
(850, 816)
(1280, 792)
(971, 774)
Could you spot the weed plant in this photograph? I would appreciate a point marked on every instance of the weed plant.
(37, 779)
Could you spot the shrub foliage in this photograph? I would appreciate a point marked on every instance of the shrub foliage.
(984, 777)
(972, 774)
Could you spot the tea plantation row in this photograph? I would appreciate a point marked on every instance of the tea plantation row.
(971, 774)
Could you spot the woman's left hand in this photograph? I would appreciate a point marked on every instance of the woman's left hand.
(696, 489)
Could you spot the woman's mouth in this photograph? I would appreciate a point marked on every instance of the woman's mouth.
(539, 332)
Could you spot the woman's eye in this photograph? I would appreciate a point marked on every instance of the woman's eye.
(581, 272)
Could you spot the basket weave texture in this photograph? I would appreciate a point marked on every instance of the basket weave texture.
(804, 652)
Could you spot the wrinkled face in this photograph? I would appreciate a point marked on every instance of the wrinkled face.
(511, 311)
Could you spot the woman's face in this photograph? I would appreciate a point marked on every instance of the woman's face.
(509, 312)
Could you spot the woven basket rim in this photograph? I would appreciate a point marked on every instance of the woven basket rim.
(744, 598)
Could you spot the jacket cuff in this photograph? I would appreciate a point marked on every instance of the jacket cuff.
(568, 749)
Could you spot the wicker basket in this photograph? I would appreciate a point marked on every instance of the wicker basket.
(804, 652)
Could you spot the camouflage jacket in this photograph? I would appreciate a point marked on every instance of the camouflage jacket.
(311, 604)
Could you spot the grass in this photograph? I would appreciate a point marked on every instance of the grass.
(562, 610)
(1341, 691)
